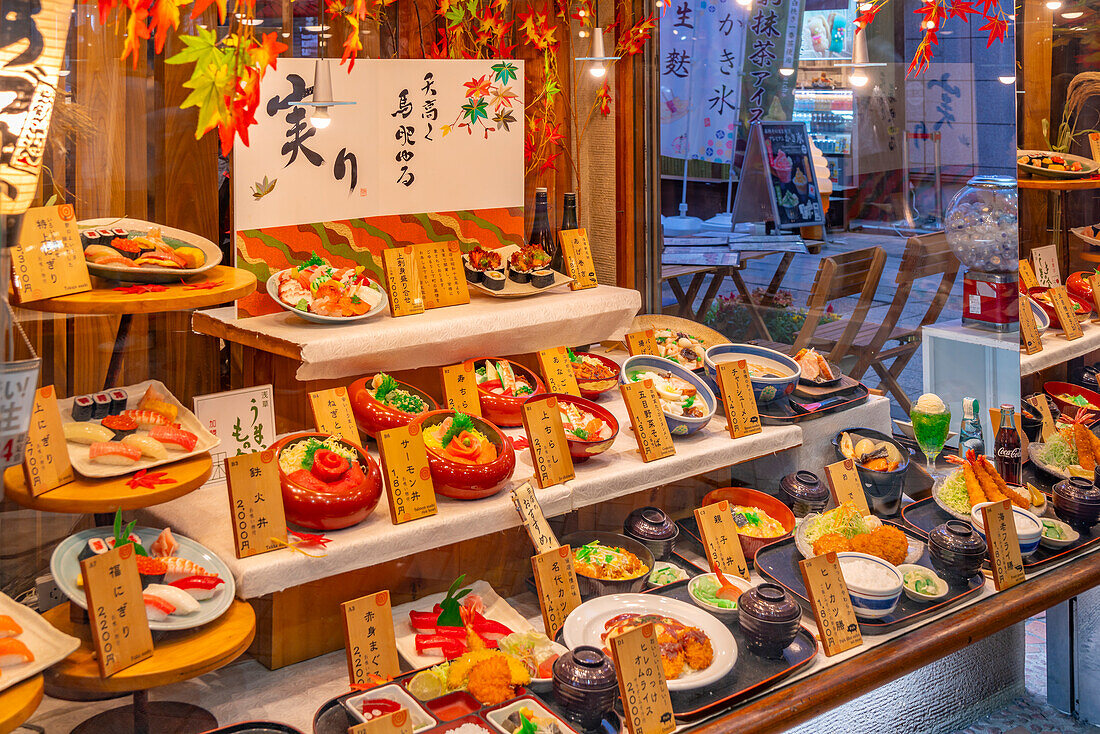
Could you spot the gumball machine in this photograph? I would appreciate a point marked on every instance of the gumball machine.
(981, 227)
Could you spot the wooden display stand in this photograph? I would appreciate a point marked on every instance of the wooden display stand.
(19, 702)
(177, 656)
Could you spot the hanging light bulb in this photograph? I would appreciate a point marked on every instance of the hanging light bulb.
(322, 96)
(744, 3)
(1054, 4)
(320, 119)
(598, 69)
(858, 78)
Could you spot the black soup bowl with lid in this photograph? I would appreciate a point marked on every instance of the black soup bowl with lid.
(956, 551)
(585, 685)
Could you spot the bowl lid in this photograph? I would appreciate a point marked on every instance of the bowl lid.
(1079, 489)
(957, 536)
(769, 602)
(586, 667)
(650, 523)
(804, 484)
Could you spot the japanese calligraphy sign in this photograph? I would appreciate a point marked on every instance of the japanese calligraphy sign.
(1045, 260)
(402, 281)
(408, 480)
(243, 420)
(48, 260)
(332, 414)
(1027, 275)
(558, 371)
(836, 619)
(255, 502)
(771, 44)
(398, 722)
(460, 388)
(1029, 331)
(1063, 309)
(1094, 280)
(427, 135)
(33, 47)
(116, 612)
(845, 486)
(719, 533)
(369, 638)
(1004, 544)
(647, 420)
(641, 342)
(578, 258)
(530, 514)
(546, 436)
(46, 463)
(556, 586)
(742, 417)
(17, 382)
(439, 269)
(646, 703)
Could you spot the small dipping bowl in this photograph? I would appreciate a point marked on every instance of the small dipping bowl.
(769, 618)
(726, 615)
(764, 389)
(804, 493)
(871, 602)
(651, 527)
(941, 585)
(585, 685)
(1070, 536)
(957, 551)
(1029, 530)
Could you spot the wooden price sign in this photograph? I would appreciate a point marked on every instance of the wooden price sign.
(845, 486)
(530, 514)
(255, 502)
(460, 388)
(578, 258)
(836, 619)
(402, 282)
(719, 533)
(546, 437)
(408, 479)
(1094, 280)
(1027, 275)
(1004, 544)
(1029, 331)
(1067, 316)
(439, 269)
(742, 417)
(369, 638)
(332, 414)
(398, 722)
(1039, 402)
(647, 420)
(115, 609)
(46, 461)
(49, 261)
(641, 342)
(557, 368)
(646, 703)
(556, 585)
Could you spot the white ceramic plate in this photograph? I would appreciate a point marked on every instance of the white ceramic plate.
(1085, 233)
(393, 692)
(46, 643)
(273, 291)
(495, 608)
(943, 505)
(78, 452)
(149, 274)
(65, 567)
(806, 548)
(512, 289)
(1072, 536)
(1088, 165)
(585, 626)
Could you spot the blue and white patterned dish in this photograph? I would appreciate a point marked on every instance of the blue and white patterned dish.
(764, 389)
(872, 603)
(678, 425)
(1029, 539)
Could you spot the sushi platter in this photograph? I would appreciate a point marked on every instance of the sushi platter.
(136, 251)
(126, 429)
(187, 567)
(28, 643)
(1052, 164)
(323, 294)
(506, 272)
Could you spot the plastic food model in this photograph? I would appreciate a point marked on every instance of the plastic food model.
(317, 287)
(469, 458)
(978, 481)
(589, 428)
(1051, 162)
(843, 529)
(327, 483)
(880, 456)
(678, 397)
(118, 247)
(380, 402)
(502, 387)
(115, 438)
(684, 649)
(679, 347)
(595, 374)
(599, 561)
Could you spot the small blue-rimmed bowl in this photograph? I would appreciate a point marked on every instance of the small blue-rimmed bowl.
(678, 425)
(872, 603)
(1029, 538)
(764, 389)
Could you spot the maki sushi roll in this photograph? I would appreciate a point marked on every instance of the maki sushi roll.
(101, 405)
(90, 237)
(525, 261)
(479, 262)
(150, 570)
(128, 247)
(95, 547)
(542, 278)
(83, 408)
(473, 275)
(118, 400)
(494, 280)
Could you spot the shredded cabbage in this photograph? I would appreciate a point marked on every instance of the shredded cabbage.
(953, 492)
(844, 520)
(1059, 452)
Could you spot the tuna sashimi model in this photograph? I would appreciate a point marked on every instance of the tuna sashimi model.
(200, 587)
(112, 452)
(174, 437)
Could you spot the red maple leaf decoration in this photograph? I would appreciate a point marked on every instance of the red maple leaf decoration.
(477, 87)
(997, 28)
(208, 285)
(144, 480)
(307, 540)
(137, 290)
(961, 9)
(267, 53)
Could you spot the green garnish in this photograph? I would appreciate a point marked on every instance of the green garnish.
(597, 554)
(122, 538)
(302, 305)
(356, 300)
(451, 616)
(461, 422)
(314, 259)
(572, 357)
(523, 390)
(388, 385)
(580, 433)
(1051, 530)
(312, 447)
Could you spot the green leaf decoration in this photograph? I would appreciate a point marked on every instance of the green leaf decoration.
(210, 87)
(503, 72)
(475, 110)
(451, 616)
(552, 89)
(200, 49)
(455, 15)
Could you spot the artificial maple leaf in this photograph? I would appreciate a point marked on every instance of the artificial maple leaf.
(202, 5)
(210, 86)
(503, 119)
(553, 134)
(267, 53)
(105, 8)
(136, 32)
(961, 9)
(352, 43)
(635, 38)
(503, 72)
(165, 15)
(502, 50)
(477, 87)
(996, 28)
(920, 60)
(475, 110)
(503, 97)
(548, 164)
(200, 49)
(603, 99)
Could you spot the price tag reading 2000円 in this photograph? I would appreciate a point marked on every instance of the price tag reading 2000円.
(255, 503)
(646, 702)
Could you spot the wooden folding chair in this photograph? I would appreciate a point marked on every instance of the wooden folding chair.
(925, 256)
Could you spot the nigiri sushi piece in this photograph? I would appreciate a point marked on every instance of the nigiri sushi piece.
(87, 433)
(147, 419)
(178, 437)
(9, 627)
(165, 545)
(111, 452)
(157, 608)
(200, 587)
(14, 652)
(158, 402)
(183, 602)
(179, 568)
(148, 446)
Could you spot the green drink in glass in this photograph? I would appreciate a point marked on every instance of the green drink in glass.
(931, 424)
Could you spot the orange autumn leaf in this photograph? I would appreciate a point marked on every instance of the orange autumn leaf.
(202, 5)
(603, 99)
(165, 15)
(477, 87)
(267, 52)
(136, 32)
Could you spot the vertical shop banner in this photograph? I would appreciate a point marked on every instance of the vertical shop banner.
(702, 49)
(34, 36)
(771, 44)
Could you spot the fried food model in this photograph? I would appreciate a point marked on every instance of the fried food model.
(885, 542)
(684, 649)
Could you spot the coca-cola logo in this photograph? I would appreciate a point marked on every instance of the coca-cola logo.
(1007, 453)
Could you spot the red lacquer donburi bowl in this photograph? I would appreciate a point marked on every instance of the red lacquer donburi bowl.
(752, 498)
(469, 481)
(592, 389)
(341, 506)
(581, 449)
(503, 410)
(372, 416)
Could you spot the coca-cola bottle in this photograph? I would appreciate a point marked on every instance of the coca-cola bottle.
(1007, 452)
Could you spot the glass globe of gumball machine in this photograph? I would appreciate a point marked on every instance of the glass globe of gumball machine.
(981, 227)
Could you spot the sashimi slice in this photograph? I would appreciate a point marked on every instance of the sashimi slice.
(14, 652)
(111, 452)
(9, 627)
(184, 440)
(157, 608)
(178, 598)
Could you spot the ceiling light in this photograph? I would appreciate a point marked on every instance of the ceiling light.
(1006, 80)
(786, 71)
(1054, 4)
(1073, 14)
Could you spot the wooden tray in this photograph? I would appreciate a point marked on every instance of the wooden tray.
(793, 409)
(811, 392)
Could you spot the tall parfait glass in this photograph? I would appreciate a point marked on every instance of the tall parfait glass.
(931, 424)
